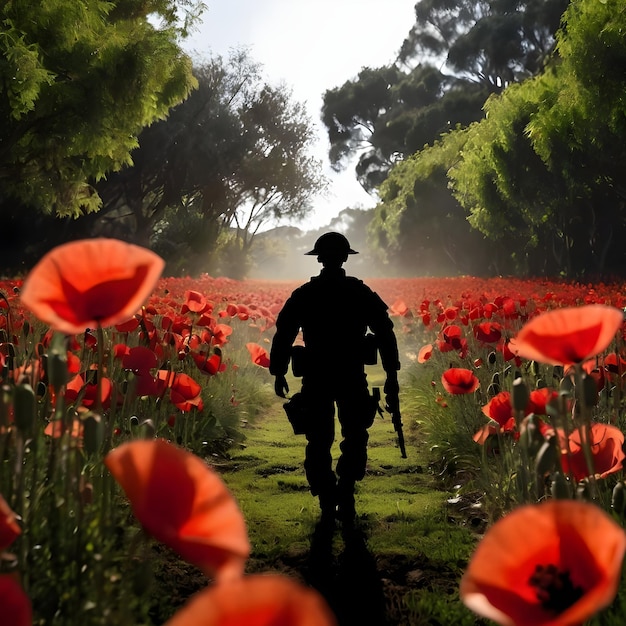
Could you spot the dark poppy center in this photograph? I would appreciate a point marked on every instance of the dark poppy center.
(554, 587)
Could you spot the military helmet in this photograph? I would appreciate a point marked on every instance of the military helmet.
(331, 243)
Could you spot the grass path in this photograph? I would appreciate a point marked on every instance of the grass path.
(403, 562)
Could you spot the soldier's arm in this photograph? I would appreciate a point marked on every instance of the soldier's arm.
(287, 327)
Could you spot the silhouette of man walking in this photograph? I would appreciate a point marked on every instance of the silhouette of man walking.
(335, 313)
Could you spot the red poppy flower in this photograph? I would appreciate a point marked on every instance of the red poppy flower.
(606, 447)
(425, 353)
(194, 302)
(539, 398)
(259, 354)
(90, 283)
(256, 600)
(458, 380)
(499, 408)
(185, 392)
(569, 335)
(139, 359)
(184, 504)
(9, 528)
(488, 332)
(16, 609)
(210, 365)
(400, 308)
(221, 332)
(561, 573)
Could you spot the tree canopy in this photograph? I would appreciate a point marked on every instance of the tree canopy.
(453, 58)
(78, 83)
(541, 176)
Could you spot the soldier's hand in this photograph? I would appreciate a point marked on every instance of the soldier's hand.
(280, 386)
(392, 390)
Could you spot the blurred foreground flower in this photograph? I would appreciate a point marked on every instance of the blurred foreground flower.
(90, 283)
(569, 335)
(182, 503)
(15, 609)
(258, 600)
(9, 528)
(557, 563)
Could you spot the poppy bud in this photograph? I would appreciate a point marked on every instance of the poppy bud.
(540, 384)
(93, 432)
(589, 391)
(491, 358)
(5, 405)
(582, 491)
(566, 385)
(530, 435)
(547, 458)
(24, 406)
(147, 429)
(57, 369)
(493, 390)
(133, 420)
(618, 499)
(520, 395)
(560, 487)
(495, 379)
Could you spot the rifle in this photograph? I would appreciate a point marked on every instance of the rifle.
(396, 419)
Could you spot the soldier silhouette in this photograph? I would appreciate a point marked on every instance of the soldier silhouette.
(335, 313)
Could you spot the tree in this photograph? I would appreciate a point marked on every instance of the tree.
(78, 82)
(454, 57)
(550, 155)
(231, 157)
(420, 226)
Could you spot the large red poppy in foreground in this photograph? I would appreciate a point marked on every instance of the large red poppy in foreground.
(91, 283)
(557, 563)
(181, 502)
(569, 335)
(259, 600)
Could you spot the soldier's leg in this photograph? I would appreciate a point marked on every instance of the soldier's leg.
(317, 457)
(355, 416)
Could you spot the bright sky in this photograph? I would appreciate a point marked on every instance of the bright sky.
(311, 46)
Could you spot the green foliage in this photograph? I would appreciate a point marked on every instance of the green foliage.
(462, 52)
(418, 225)
(540, 176)
(232, 157)
(78, 82)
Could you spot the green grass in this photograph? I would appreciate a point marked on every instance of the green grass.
(402, 514)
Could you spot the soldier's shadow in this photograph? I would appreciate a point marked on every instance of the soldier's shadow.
(350, 582)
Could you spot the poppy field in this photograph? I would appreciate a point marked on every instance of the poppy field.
(120, 388)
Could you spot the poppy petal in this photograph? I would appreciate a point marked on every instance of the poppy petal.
(577, 538)
(256, 600)
(568, 335)
(89, 283)
(184, 504)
